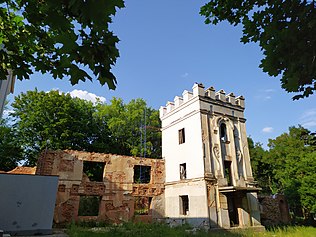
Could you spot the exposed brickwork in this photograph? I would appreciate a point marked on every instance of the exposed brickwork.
(274, 210)
(23, 170)
(116, 191)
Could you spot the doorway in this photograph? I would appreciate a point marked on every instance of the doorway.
(232, 210)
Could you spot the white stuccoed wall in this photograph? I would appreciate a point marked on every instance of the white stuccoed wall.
(175, 153)
(196, 191)
(185, 114)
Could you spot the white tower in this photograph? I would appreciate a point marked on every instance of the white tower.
(208, 172)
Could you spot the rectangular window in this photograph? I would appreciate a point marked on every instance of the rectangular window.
(227, 172)
(183, 171)
(142, 174)
(184, 205)
(181, 136)
(89, 205)
(94, 170)
(142, 205)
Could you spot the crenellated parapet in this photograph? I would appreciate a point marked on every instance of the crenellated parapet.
(199, 91)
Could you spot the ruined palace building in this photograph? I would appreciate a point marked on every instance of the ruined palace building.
(204, 177)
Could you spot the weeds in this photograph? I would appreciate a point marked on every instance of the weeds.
(162, 230)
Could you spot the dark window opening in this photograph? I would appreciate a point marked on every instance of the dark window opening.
(181, 136)
(142, 205)
(89, 205)
(223, 134)
(184, 205)
(183, 171)
(227, 170)
(94, 170)
(142, 174)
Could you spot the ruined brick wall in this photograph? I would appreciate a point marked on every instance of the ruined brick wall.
(115, 194)
(274, 210)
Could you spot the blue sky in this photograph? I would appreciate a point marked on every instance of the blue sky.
(165, 47)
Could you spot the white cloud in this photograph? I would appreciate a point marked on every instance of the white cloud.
(185, 75)
(86, 96)
(263, 97)
(269, 90)
(267, 130)
(265, 94)
(308, 118)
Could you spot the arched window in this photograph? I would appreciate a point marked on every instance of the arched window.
(223, 139)
(223, 132)
(224, 149)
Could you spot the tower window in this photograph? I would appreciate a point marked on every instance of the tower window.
(223, 134)
(181, 136)
(183, 171)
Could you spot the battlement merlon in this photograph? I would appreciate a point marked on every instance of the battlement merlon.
(198, 90)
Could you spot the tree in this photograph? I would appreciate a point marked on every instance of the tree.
(63, 38)
(261, 169)
(10, 151)
(285, 31)
(292, 159)
(135, 128)
(55, 120)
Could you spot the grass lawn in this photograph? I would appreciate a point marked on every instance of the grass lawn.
(159, 230)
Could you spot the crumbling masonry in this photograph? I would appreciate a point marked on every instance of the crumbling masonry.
(104, 187)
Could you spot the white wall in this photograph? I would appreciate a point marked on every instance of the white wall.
(190, 152)
(196, 192)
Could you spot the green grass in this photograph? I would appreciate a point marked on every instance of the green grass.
(159, 230)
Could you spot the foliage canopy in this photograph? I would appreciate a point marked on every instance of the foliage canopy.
(285, 31)
(54, 120)
(10, 151)
(288, 167)
(134, 127)
(63, 38)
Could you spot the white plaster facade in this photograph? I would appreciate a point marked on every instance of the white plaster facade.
(207, 163)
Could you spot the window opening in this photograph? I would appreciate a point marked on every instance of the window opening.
(223, 140)
(183, 171)
(181, 136)
(89, 205)
(184, 205)
(142, 205)
(227, 170)
(223, 132)
(94, 170)
(142, 174)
